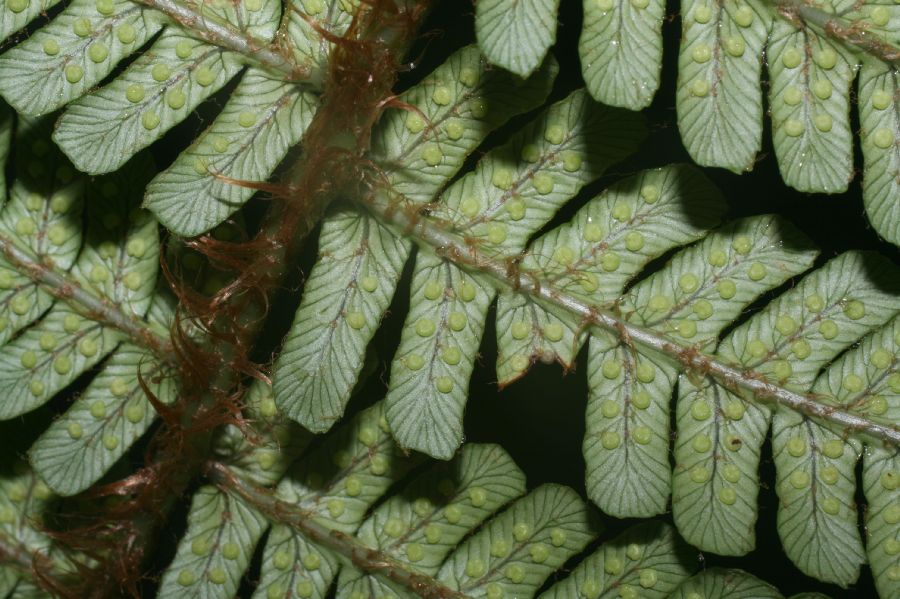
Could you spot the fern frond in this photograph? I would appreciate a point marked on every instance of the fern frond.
(463, 528)
(812, 53)
(200, 49)
(516, 34)
(350, 288)
(71, 305)
(23, 500)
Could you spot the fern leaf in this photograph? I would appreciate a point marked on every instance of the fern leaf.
(15, 14)
(650, 557)
(810, 99)
(718, 98)
(351, 286)
(516, 34)
(626, 442)
(105, 128)
(46, 196)
(119, 264)
(216, 548)
(550, 516)
(500, 204)
(261, 121)
(879, 90)
(23, 499)
(880, 475)
(434, 512)
(343, 302)
(720, 434)
(720, 583)
(621, 50)
(818, 522)
(456, 106)
(104, 422)
(335, 484)
(73, 53)
(595, 255)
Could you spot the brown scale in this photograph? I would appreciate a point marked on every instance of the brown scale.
(118, 532)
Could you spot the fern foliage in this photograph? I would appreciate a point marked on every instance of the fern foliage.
(55, 333)
(812, 52)
(65, 60)
(703, 337)
(477, 242)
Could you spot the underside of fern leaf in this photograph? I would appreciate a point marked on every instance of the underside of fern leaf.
(812, 52)
(648, 333)
(734, 332)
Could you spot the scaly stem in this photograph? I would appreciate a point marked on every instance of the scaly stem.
(853, 33)
(429, 232)
(367, 559)
(71, 292)
(227, 36)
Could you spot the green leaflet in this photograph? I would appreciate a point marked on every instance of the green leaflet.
(627, 439)
(344, 299)
(516, 551)
(499, 206)
(104, 128)
(23, 498)
(103, 423)
(810, 100)
(433, 514)
(516, 34)
(719, 583)
(353, 282)
(335, 484)
(649, 559)
(277, 441)
(881, 472)
(457, 105)
(15, 14)
(261, 121)
(594, 255)
(621, 50)
(100, 426)
(879, 90)
(718, 96)
(118, 264)
(430, 372)
(818, 521)
(42, 217)
(66, 58)
(293, 564)
(720, 434)
(216, 548)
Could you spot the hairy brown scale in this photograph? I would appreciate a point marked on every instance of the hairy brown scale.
(213, 367)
